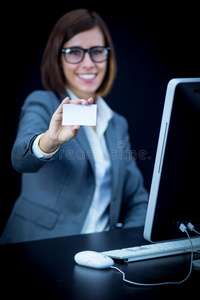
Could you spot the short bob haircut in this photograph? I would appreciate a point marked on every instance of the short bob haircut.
(69, 25)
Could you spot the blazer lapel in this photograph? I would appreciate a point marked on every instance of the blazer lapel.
(115, 203)
(83, 142)
(111, 143)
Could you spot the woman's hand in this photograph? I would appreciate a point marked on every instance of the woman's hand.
(58, 134)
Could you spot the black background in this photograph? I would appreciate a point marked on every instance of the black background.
(153, 43)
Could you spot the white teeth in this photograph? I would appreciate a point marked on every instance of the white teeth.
(87, 76)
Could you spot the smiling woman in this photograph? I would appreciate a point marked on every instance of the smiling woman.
(92, 190)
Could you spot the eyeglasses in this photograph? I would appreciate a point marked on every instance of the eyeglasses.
(75, 55)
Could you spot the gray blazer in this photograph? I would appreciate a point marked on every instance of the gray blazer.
(56, 194)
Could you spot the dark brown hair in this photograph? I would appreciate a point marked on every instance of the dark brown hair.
(68, 26)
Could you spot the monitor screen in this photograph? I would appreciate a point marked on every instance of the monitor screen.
(175, 190)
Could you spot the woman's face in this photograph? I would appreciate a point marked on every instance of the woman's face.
(84, 78)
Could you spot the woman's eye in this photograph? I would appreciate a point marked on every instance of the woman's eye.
(75, 52)
(97, 52)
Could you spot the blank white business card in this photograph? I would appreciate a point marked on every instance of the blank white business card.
(77, 114)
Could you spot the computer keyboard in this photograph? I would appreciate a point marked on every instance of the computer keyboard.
(154, 250)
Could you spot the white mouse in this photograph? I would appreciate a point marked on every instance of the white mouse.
(93, 259)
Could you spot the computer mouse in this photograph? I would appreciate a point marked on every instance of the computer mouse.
(93, 259)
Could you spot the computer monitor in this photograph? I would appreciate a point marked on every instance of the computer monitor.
(175, 189)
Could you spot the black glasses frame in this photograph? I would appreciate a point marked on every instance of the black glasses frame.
(89, 51)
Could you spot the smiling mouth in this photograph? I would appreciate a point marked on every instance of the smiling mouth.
(87, 76)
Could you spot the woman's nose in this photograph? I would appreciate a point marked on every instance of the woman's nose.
(87, 61)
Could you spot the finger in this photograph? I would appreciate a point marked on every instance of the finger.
(75, 101)
(90, 101)
(75, 127)
(86, 102)
(60, 107)
(66, 100)
(79, 101)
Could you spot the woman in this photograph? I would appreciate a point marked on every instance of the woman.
(74, 179)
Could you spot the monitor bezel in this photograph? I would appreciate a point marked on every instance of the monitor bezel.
(160, 153)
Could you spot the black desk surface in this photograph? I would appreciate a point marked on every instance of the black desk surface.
(46, 269)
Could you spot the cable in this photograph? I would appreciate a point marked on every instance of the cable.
(191, 227)
(183, 229)
(196, 231)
